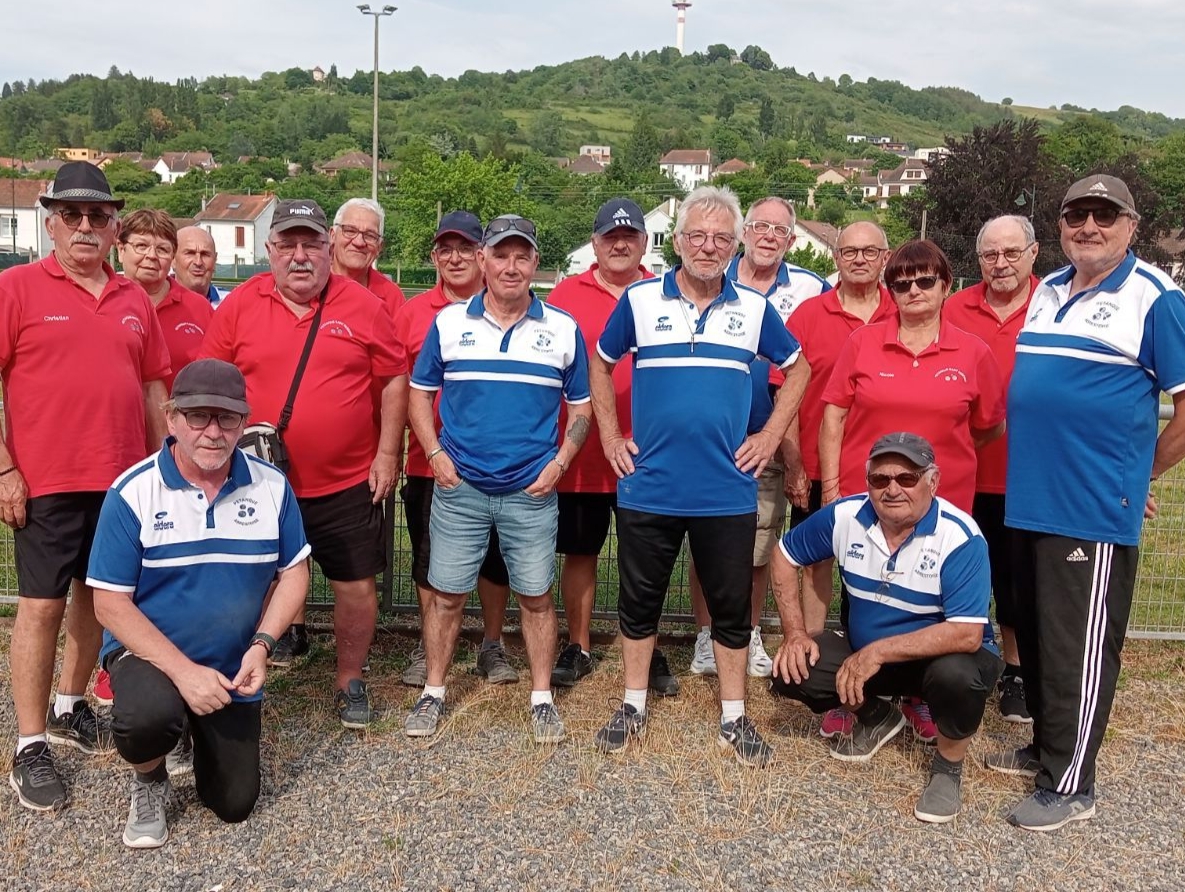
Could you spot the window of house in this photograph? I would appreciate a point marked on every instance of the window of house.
(658, 240)
(7, 228)
(240, 237)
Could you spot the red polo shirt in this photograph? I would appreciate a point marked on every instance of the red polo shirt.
(583, 298)
(184, 317)
(385, 290)
(822, 326)
(74, 370)
(332, 438)
(946, 391)
(968, 309)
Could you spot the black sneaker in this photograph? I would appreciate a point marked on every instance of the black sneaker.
(353, 705)
(292, 644)
(626, 722)
(742, 738)
(35, 779)
(573, 664)
(80, 728)
(662, 681)
(1012, 700)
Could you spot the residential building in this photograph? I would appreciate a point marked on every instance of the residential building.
(70, 153)
(822, 237)
(658, 225)
(901, 180)
(931, 154)
(733, 165)
(22, 219)
(238, 224)
(586, 164)
(318, 74)
(172, 166)
(601, 154)
(144, 162)
(688, 167)
(349, 161)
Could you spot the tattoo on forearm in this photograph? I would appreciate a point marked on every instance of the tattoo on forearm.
(578, 431)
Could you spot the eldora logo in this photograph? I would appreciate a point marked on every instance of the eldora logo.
(337, 328)
(245, 511)
(467, 339)
(664, 324)
(856, 551)
(950, 373)
(159, 522)
(133, 322)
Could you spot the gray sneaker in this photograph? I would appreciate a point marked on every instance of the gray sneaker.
(424, 717)
(416, 673)
(493, 666)
(742, 737)
(1022, 761)
(146, 827)
(941, 800)
(353, 705)
(179, 759)
(864, 741)
(1047, 810)
(625, 723)
(547, 724)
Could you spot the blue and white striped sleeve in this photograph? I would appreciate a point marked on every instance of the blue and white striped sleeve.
(117, 553)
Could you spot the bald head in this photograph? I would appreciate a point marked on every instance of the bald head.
(195, 259)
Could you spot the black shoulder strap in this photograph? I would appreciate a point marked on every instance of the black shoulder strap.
(286, 412)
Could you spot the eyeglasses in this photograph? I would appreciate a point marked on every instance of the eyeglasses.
(369, 236)
(761, 227)
(906, 479)
(73, 218)
(465, 252)
(902, 286)
(287, 249)
(1010, 254)
(142, 249)
(506, 224)
(1104, 218)
(722, 240)
(869, 252)
(199, 420)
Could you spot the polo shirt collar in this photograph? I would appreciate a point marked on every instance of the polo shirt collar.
(670, 287)
(884, 308)
(240, 471)
(781, 279)
(55, 268)
(477, 306)
(926, 526)
(893, 334)
(1113, 282)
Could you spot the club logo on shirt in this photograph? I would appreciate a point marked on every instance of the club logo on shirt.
(245, 512)
(856, 551)
(134, 323)
(467, 339)
(543, 341)
(664, 324)
(927, 566)
(159, 522)
(1102, 315)
(337, 327)
(736, 324)
(189, 328)
(951, 374)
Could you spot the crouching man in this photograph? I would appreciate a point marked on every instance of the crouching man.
(916, 571)
(188, 542)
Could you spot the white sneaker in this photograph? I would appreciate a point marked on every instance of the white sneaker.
(704, 660)
(760, 665)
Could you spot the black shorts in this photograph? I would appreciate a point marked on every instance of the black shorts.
(584, 522)
(54, 545)
(345, 532)
(416, 493)
(814, 503)
(988, 511)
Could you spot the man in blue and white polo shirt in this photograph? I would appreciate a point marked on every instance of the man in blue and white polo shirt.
(689, 468)
(1103, 338)
(501, 362)
(188, 543)
(915, 568)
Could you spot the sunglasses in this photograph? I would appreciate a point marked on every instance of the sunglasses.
(1104, 218)
(505, 224)
(902, 286)
(906, 479)
(73, 218)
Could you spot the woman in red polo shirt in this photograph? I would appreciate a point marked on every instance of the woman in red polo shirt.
(916, 373)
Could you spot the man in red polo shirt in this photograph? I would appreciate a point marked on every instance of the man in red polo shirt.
(454, 254)
(341, 463)
(83, 361)
(355, 242)
(995, 310)
(588, 491)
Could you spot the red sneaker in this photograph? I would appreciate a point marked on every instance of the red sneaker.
(835, 723)
(103, 688)
(918, 714)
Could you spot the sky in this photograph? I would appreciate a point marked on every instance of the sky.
(1091, 53)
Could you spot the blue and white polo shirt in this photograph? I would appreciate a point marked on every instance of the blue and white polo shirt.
(1082, 405)
(500, 390)
(939, 574)
(692, 392)
(199, 572)
(792, 285)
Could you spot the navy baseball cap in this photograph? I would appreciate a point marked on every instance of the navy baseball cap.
(460, 223)
(617, 213)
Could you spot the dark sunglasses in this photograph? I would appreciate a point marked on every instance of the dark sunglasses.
(73, 218)
(906, 479)
(505, 224)
(1104, 218)
(902, 286)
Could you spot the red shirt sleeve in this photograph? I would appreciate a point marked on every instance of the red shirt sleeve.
(841, 387)
(388, 357)
(218, 343)
(154, 364)
(988, 408)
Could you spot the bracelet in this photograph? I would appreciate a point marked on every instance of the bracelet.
(268, 642)
(13, 468)
(435, 452)
(563, 467)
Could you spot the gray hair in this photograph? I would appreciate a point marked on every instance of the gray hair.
(712, 198)
(876, 226)
(365, 204)
(772, 199)
(1025, 224)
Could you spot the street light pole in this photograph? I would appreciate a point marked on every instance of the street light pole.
(374, 150)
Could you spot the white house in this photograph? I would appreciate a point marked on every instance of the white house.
(822, 237)
(688, 167)
(901, 180)
(238, 224)
(22, 219)
(172, 166)
(600, 154)
(658, 224)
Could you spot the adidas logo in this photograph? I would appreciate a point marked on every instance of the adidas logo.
(621, 214)
(1077, 556)
(1099, 187)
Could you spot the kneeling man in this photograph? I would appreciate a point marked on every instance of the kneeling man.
(188, 543)
(916, 570)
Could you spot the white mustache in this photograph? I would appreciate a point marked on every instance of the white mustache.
(297, 267)
(85, 238)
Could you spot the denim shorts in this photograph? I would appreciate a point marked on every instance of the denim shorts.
(460, 531)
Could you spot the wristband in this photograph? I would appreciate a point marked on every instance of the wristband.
(563, 467)
(435, 452)
(268, 642)
(13, 468)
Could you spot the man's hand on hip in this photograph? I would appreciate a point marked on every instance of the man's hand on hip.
(14, 493)
(384, 474)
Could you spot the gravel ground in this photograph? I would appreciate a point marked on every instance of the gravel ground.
(481, 808)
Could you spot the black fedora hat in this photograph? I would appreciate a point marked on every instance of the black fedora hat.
(80, 181)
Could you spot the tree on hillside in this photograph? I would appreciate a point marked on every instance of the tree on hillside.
(767, 118)
(640, 152)
(126, 177)
(1084, 143)
(757, 58)
(725, 107)
(720, 52)
(6, 91)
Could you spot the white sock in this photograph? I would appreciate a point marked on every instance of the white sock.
(731, 710)
(433, 691)
(64, 703)
(538, 697)
(22, 741)
(636, 699)
(705, 630)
